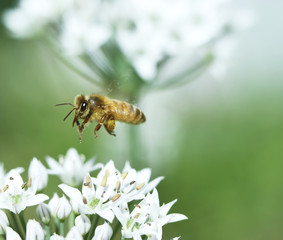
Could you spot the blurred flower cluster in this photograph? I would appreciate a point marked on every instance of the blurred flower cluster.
(94, 202)
(134, 41)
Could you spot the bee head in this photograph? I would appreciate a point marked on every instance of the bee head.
(82, 107)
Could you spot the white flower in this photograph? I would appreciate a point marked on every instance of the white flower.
(33, 15)
(147, 218)
(3, 222)
(63, 208)
(15, 198)
(38, 173)
(83, 31)
(159, 215)
(56, 237)
(12, 235)
(53, 203)
(130, 185)
(134, 224)
(71, 168)
(103, 232)
(44, 213)
(91, 201)
(34, 231)
(74, 234)
(3, 175)
(83, 224)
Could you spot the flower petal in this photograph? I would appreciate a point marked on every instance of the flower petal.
(12, 235)
(56, 168)
(106, 214)
(36, 199)
(72, 193)
(166, 207)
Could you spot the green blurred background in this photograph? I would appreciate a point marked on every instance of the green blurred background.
(218, 143)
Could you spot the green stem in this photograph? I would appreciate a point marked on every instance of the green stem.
(47, 231)
(12, 220)
(22, 230)
(71, 220)
(62, 228)
(57, 223)
(94, 223)
(22, 219)
(115, 230)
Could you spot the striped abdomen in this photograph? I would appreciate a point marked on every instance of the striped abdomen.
(125, 112)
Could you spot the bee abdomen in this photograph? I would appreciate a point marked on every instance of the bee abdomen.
(128, 113)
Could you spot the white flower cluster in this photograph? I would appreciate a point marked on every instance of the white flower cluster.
(146, 31)
(129, 196)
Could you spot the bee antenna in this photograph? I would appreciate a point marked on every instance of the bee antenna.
(69, 114)
(60, 104)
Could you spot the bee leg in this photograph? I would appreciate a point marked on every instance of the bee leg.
(81, 128)
(100, 123)
(110, 125)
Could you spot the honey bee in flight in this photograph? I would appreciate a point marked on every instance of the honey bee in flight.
(103, 110)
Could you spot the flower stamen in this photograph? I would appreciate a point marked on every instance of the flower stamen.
(29, 182)
(140, 186)
(124, 175)
(116, 197)
(104, 180)
(5, 188)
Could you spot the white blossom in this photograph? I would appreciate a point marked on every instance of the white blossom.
(103, 232)
(129, 185)
(34, 231)
(38, 173)
(83, 224)
(12, 235)
(14, 195)
(91, 200)
(44, 213)
(74, 234)
(32, 16)
(56, 237)
(53, 203)
(71, 168)
(3, 174)
(147, 32)
(147, 218)
(63, 208)
(3, 222)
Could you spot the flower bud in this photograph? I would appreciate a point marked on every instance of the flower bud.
(103, 232)
(3, 222)
(34, 231)
(56, 237)
(44, 213)
(63, 208)
(82, 223)
(53, 203)
(38, 173)
(74, 234)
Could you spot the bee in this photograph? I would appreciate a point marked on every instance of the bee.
(103, 110)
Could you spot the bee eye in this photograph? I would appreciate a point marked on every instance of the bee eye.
(83, 107)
